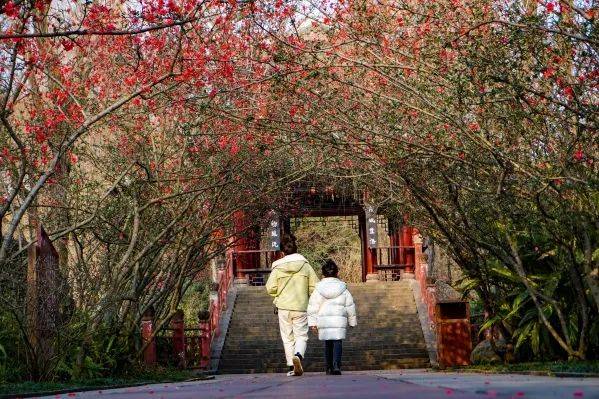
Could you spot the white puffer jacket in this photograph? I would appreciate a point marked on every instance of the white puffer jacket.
(331, 308)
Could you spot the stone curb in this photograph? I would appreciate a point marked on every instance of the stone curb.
(560, 374)
(96, 388)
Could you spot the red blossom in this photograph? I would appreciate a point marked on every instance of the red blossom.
(473, 126)
(11, 9)
(548, 72)
(74, 158)
(67, 44)
(569, 91)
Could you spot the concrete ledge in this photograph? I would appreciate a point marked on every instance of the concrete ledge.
(430, 336)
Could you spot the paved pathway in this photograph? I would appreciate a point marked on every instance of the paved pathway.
(410, 384)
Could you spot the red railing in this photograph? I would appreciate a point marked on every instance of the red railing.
(211, 328)
(427, 287)
(449, 316)
(188, 347)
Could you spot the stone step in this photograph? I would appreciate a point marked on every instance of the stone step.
(353, 290)
(388, 335)
(382, 328)
(364, 296)
(411, 338)
(361, 341)
(375, 314)
(375, 308)
(352, 336)
(399, 327)
(266, 313)
(365, 320)
(317, 357)
(386, 365)
(258, 346)
(316, 365)
(356, 294)
(347, 349)
(362, 322)
(362, 319)
(379, 286)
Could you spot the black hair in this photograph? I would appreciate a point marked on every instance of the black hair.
(288, 245)
(330, 268)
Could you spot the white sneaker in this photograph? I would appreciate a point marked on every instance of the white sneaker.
(290, 373)
(297, 366)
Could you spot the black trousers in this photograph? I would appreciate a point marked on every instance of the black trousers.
(333, 350)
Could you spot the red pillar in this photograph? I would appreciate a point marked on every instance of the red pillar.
(394, 255)
(148, 340)
(178, 326)
(239, 228)
(407, 238)
(205, 341)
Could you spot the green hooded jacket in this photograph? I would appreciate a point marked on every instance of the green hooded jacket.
(291, 282)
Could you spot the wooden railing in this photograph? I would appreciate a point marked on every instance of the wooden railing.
(393, 261)
(253, 265)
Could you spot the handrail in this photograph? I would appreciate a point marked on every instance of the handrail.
(218, 304)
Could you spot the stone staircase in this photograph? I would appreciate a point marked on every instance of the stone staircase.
(388, 335)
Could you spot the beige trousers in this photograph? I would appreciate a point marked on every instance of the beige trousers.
(294, 333)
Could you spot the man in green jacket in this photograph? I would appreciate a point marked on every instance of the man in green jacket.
(291, 282)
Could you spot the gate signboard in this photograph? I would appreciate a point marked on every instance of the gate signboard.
(371, 226)
(274, 231)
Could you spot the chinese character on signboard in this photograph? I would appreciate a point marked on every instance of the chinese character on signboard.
(274, 232)
(371, 226)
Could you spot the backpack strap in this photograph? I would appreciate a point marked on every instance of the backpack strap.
(288, 280)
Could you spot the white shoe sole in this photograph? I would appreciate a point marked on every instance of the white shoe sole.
(297, 366)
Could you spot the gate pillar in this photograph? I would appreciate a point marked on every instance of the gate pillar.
(247, 237)
(407, 238)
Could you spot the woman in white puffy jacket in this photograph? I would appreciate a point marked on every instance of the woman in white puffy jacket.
(330, 309)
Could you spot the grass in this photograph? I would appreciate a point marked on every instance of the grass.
(587, 366)
(143, 377)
